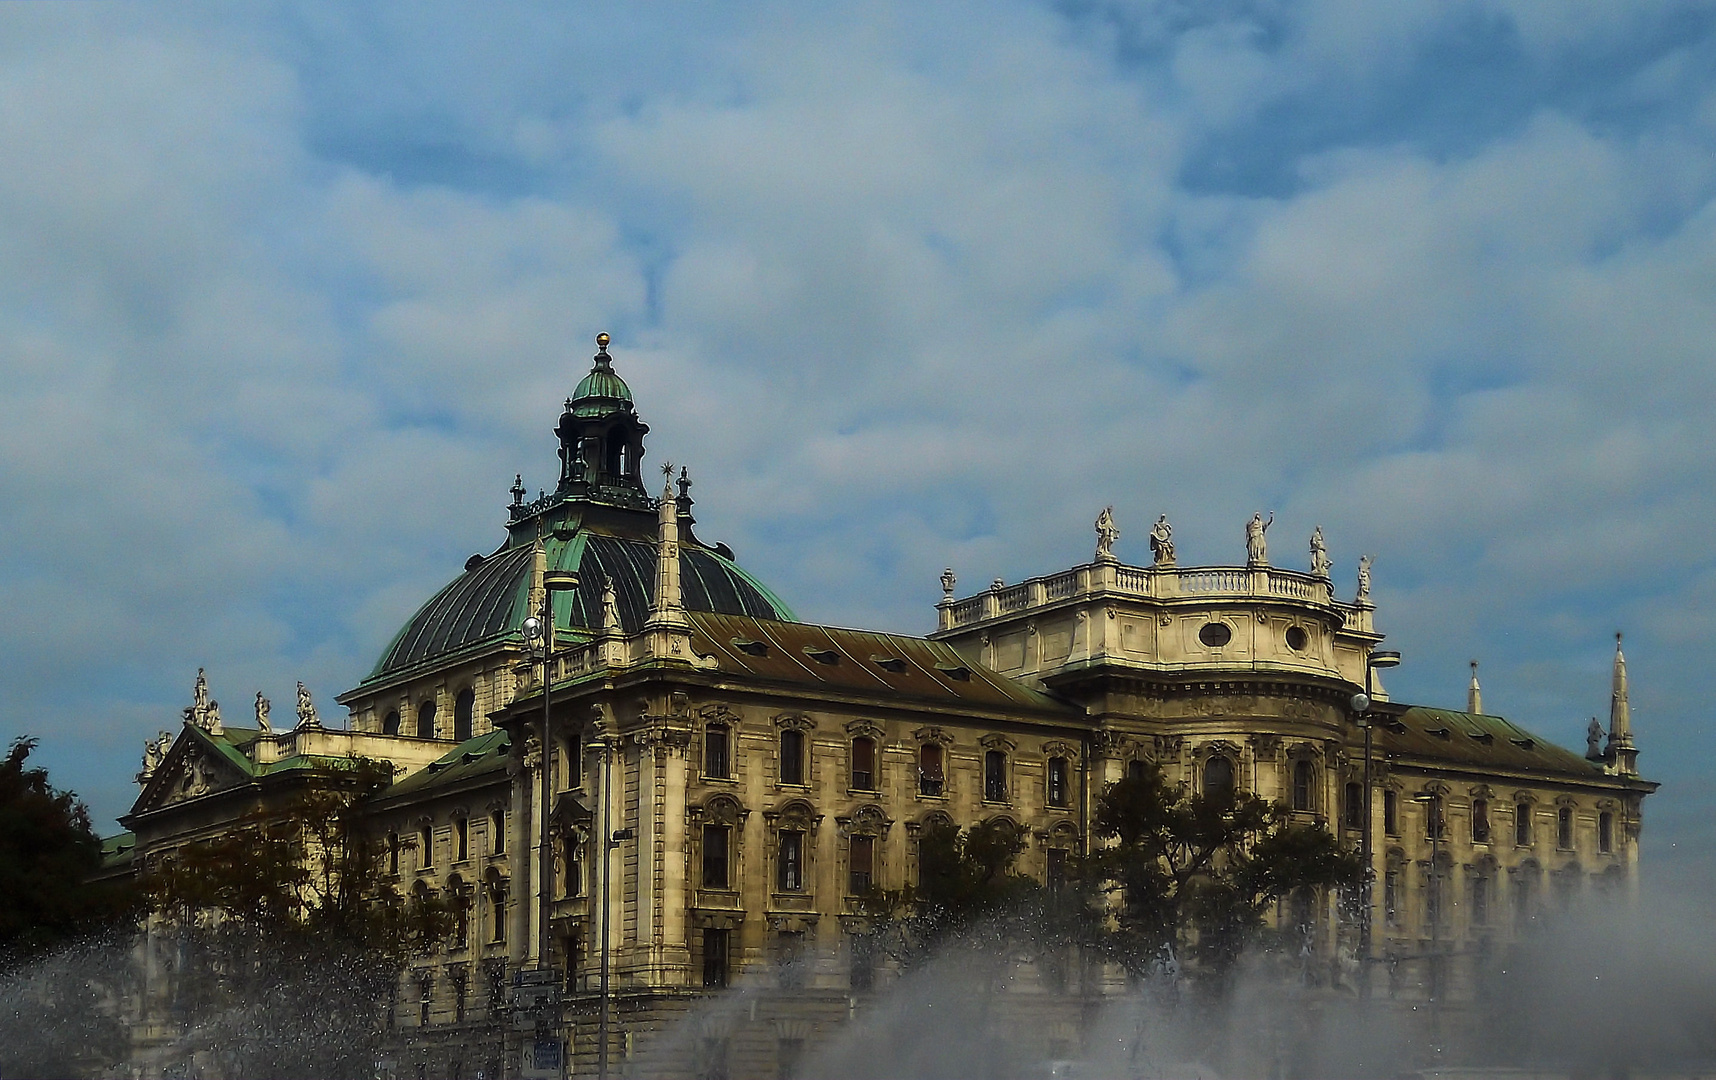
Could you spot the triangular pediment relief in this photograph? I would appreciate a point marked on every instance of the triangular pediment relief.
(191, 770)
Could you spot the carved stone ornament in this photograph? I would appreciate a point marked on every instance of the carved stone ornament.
(933, 735)
(1162, 542)
(948, 581)
(1256, 540)
(795, 722)
(1107, 533)
(307, 709)
(1319, 554)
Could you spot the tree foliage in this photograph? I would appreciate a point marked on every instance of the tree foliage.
(48, 854)
(286, 936)
(1194, 875)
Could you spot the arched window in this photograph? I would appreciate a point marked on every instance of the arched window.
(461, 839)
(393, 853)
(1057, 786)
(1135, 769)
(1433, 817)
(792, 756)
(931, 780)
(994, 776)
(717, 762)
(1564, 828)
(425, 847)
(1354, 816)
(1522, 824)
(426, 720)
(464, 710)
(864, 763)
(1218, 777)
(390, 723)
(497, 912)
(1302, 777)
(1606, 832)
(1480, 821)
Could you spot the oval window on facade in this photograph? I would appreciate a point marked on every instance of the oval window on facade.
(1215, 635)
(1297, 638)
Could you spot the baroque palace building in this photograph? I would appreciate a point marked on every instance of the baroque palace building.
(720, 782)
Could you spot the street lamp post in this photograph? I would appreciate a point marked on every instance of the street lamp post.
(540, 628)
(1378, 658)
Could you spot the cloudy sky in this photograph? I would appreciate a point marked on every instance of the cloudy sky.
(288, 295)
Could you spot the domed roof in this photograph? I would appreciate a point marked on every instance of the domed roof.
(486, 605)
(602, 391)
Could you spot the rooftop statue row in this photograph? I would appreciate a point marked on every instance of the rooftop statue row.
(1256, 547)
(204, 712)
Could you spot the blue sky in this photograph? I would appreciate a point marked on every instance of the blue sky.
(288, 295)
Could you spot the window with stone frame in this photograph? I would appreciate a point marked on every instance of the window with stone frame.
(718, 751)
(789, 860)
(571, 865)
(461, 839)
(1525, 887)
(497, 832)
(458, 896)
(1606, 833)
(1057, 786)
(715, 957)
(1522, 824)
(393, 853)
(994, 776)
(792, 959)
(459, 976)
(860, 862)
(793, 744)
(1434, 820)
(425, 847)
(390, 723)
(1136, 768)
(1219, 777)
(863, 763)
(861, 967)
(1564, 828)
(1304, 780)
(715, 856)
(426, 720)
(1480, 821)
(932, 777)
(497, 890)
(1391, 812)
(1353, 817)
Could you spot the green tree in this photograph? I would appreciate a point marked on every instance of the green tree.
(1194, 875)
(288, 936)
(48, 854)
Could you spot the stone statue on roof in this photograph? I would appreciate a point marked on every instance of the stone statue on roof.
(948, 581)
(1256, 542)
(307, 709)
(1319, 554)
(1364, 579)
(262, 707)
(1594, 740)
(1162, 542)
(1107, 533)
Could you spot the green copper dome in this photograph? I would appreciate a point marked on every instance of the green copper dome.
(602, 391)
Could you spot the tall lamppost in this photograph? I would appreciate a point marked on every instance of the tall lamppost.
(540, 629)
(1378, 658)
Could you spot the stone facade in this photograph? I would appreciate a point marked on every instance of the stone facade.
(723, 781)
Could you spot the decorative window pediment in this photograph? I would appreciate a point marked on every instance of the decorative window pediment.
(933, 735)
(1059, 748)
(720, 810)
(794, 722)
(997, 741)
(864, 728)
(868, 820)
(793, 814)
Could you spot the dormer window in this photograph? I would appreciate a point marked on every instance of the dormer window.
(889, 663)
(751, 648)
(822, 656)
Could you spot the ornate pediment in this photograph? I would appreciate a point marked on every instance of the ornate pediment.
(191, 769)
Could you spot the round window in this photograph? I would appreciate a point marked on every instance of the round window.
(1296, 638)
(1215, 635)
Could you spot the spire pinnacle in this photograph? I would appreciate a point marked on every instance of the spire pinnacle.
(1475, 693)
(1621, 750)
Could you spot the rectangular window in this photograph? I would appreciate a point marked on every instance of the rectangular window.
(1391, 897)
(1522, 824)
(461, 924)
(1057, 869)
(426, 847)
(792, 757)
(863, 764)
(862, 859)
(863, 968)
(1302, 779)
(994, 776)
(1564, 828)
(497, 916)
(790, 959)
(1480, 821)
(461, 839)
(1433, 818)
(715, 958)
(930, 778)
(716, 761)
(1353, 818)
(1058, 794)
(393, 853)
(715, 856)
(1606, 833)
(790, 864)
(574, 869)
(1480, 901)
(497, 833)
(1391, 813)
